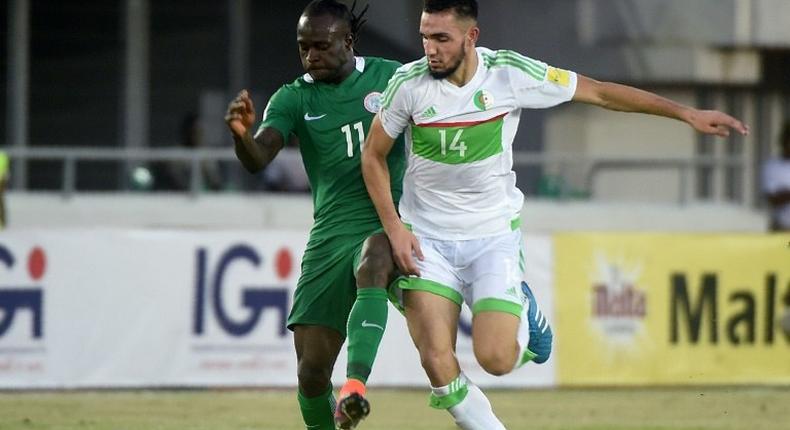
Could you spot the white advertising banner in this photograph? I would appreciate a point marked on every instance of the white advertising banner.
(148, 308)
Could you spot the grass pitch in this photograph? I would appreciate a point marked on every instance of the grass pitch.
(738, 408)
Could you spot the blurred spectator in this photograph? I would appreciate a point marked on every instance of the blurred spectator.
(776, 183)
(4, 163)
(286, 172)
(176, 175)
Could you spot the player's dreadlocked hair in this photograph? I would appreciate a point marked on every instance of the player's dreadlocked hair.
(340, 11)
(462, 8)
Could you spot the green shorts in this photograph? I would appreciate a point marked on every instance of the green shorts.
(327, 289)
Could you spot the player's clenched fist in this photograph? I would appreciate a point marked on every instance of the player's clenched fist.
(240, 116)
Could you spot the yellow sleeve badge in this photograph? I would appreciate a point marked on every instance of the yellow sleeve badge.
(559, 76)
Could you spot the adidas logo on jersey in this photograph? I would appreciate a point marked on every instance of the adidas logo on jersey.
(428, 113)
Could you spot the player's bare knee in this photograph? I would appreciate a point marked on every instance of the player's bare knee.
(496, 361)
(435, 360)
(313, 377)
(496, 367)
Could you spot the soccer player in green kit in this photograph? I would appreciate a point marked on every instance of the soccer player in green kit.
(347, 264)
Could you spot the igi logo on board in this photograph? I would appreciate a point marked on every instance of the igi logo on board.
(22, 298)
(22, 332)
(241, 304)
(213, 303)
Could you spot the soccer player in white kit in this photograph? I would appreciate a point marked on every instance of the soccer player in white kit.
(459, 108)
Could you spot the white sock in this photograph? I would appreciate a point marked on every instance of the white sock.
(474, 411)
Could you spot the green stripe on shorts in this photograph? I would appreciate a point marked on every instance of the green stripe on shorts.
(431, 287)
(496, 305)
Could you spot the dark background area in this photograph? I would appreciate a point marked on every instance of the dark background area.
(77, 65)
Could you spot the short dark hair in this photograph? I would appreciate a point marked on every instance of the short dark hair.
(462, 8)
(339, 11)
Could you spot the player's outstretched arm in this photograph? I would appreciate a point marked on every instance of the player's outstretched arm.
(257, 152)
(377, 180)
(623, 98)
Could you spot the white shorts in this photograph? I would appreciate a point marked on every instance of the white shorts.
(485, 273)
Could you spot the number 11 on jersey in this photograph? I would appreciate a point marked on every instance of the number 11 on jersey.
(346, 129)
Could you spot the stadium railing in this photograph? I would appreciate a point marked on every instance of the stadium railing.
(590, 167)
(131, 157)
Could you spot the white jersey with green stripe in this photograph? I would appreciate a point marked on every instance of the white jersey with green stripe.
(459, 183)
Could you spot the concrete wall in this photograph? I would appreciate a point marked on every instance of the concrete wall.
(591, 133)
(756, 23)
(288, 212)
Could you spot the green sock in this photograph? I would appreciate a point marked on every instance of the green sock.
(366, 325)
(318, 412)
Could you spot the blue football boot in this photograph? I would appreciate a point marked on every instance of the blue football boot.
(540, 336)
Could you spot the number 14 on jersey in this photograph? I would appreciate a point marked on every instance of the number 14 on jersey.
(346, 129)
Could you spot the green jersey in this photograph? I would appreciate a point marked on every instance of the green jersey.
(331, 122)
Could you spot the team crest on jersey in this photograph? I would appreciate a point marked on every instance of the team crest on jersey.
(484, 100)
(373, 102)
